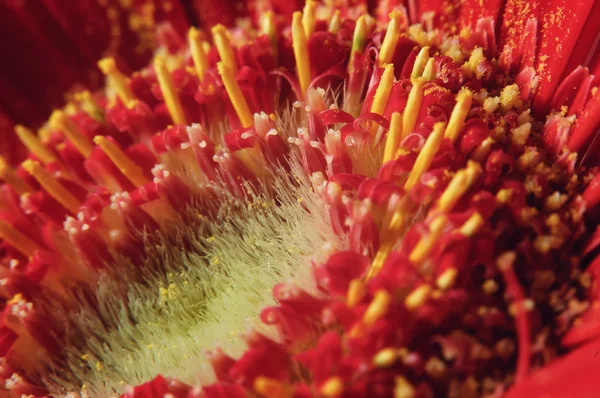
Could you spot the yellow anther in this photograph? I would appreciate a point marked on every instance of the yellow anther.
(60, 121)
(394, 136)
(504, 195)
(335, 24)
(116, 79)
(391, 38)
(426, 155)
(382, 94)
(52, 186)
(169, 91)
(385, 358)
(457, 119)
(423, 248)
(235, 95)
(35, 145)
(413, 105)
(90, 106)
(417, 297)
(270, 30)
(356, 292)
(359, 40)
(268, 387)
(459, 184)
(403, 388)
(483, 150)
(129, 169)
(17, 239)
(299, 42)
(420, 63)
(446, 280)
(472, 225)
(378, 308)
(198, 54)
(333, 387)
(224, 47)
(309, 17)
(11, 178)
(430, 71)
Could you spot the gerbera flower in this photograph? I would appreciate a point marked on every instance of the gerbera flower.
(354, 199)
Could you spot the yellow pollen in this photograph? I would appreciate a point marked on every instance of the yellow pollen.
(198, 53)
(333, 387)
(17, 239)
(394, 135)
(116, 79)
(235, 95)
(423, 248)
(426, 155)
(378, 307)
(35, 145)
(391, 39)
(309, 18)
(336, 22)
(270, 30)
(472, 225)
(382, 94)
(169, 91)
(299, 42)
(129, 169)
(52, 186)
(457, 119)
(504, 195)
(359, 40)
(11, 178)
(224, 47)
(271, 388)
(60, 121)
(385, 358)
(413, 105)
(420, 63)
(430, 71)
(417, 297)
(446, 279)
(89, 105)
(356, 292)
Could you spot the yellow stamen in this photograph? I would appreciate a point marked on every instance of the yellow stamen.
(60, 121)
(270, 30)
(426, 155)
(169, 91)
(129, 169)
(459, 184)
(11, 178)
(430, 70)
(423, 248)
(198, 53)
(481, 152)
(90, 106)
(52, 186)
(446, 279)
(309, 18)
(378, 307)
(235, 95)
(224, 47)
(394, 136)
(420, 62)
(472, 225)
(403, 388)
(300, 45)
(271, 388)
(17, 239)
(413, 104)
(417, 297)
(459, 114)
(382, 94)
(333, 387)
(391, 38)
(336, 22)
(359, 40)
(356, 292)
(117, 80)
(385, 358)
(35, 145)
